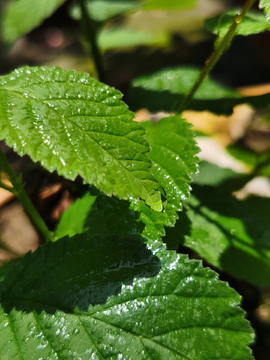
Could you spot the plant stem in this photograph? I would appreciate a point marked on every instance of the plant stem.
(220, 47)
(89, 32)
(20, 193)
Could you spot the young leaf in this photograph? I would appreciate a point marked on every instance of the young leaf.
(132, 309)
(21, 16)
(75, 125)
(253, 23)
(174, 156)
(230, 234)
(265, 4)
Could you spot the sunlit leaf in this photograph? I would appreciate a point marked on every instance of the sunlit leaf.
(73, 219)
(174, 157)
(265, 4)
(115, 298)
(21, 16)
(75, 125)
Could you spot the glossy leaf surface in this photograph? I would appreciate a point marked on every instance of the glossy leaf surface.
(253, 23)
(174, 156)
(75, 125)
(21, 16)
(115, 298)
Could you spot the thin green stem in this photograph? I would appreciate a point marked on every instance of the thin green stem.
(220, 47)
(20, 193)
(88, 30)
(6, 187)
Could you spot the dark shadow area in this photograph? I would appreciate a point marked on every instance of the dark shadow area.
(76, 272)
(164, 100)
(254, 211)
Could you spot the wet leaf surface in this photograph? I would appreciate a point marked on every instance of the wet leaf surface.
(75, 125)
(166, 307)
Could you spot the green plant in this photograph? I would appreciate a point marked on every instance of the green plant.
(105, 285)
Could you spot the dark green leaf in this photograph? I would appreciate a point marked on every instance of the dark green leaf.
(163, 90)
(21, 16)
(253, 23)
(75, 125)
(230, 234)
(112, 216)
(110, 299)
(166, 88)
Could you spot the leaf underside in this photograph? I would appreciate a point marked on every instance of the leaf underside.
(75, 125)
(116, 298)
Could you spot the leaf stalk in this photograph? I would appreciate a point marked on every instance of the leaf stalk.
(20, 193)
(221, 46)
(88, 30)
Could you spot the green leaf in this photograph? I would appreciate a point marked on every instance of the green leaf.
(173, 154)
(75, 125)
(211, 174)
(102, 10)
(171, 5)
(265, 4)
(116, 37)
(164, 89)
(112, 216)
(174, 157)
(230, 234)
(253, 23)
(73, 219)
(131, 309)
(21, 16)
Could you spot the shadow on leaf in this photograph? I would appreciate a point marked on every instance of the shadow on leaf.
(76, 272)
